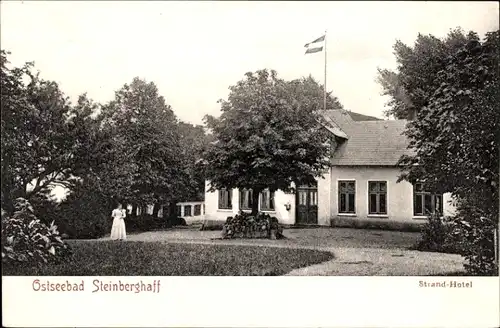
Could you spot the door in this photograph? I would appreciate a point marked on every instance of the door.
(307, 205)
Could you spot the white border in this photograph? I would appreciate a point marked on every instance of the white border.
(257, 302)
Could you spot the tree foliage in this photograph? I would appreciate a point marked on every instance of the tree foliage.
(148, 126)
(310, 91)
(42, 134)
(410, 87)
(132, 149)
(193, 142)
(268, 136)
(28, 242)
(456, 139)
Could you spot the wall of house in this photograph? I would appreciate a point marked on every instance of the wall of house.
(399, 195)
(183, 213)
(324, 199)
(212, 212)
(191, 217)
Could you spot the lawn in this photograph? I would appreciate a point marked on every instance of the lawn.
(314, 237)
(109, 258)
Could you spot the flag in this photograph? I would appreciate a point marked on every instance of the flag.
(315, 46)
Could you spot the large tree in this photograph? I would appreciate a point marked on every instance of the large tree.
(312, 91)
(41, 138)
(412, 84)
(456, 138)
(148, 126)
(193, 142)
(106, 166)
(269, 135)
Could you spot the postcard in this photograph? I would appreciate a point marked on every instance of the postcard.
(250, 164)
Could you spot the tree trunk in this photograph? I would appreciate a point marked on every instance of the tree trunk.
(172, 209)
(134, 210)
(255, 201)
(156, 209)
(7, 201)
(9, 195)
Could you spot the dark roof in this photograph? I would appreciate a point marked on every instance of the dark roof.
(362, 117)
(368, 143)
(333, 119)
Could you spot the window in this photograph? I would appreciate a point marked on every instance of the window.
(347, 197)
(377, 197)
(313, 198)
(267, 201)
(424, 202)
(197, 210)
(178, 211)
(302, 197)
(246, 199)
(187, 210)
(225, 199)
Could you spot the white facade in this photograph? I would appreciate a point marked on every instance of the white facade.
(399, 202)
(212, 212)
(191, 211)
(399, 194)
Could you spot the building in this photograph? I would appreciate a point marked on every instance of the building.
(361, 183)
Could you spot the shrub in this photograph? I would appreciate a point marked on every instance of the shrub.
(47, 210)
(25, 239)
(439, 235)
(84, 214)
(212, 225)
(177, 221)
(147, 222)
(84, 217)
(140, 223)
(245, 225)
(475, 231)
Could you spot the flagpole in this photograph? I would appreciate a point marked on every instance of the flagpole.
(324, 91)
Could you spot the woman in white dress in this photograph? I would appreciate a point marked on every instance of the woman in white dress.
(118, 228)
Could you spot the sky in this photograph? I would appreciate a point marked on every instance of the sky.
(193, 51)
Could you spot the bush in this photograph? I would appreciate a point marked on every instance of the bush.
(476, 237)
(147, 222)
(470, 233)
(47, 210)
(245, 225)
(141, 223)
(177, 221)
(84, 215)
(26, 240)
(212, 225)
(439, 235)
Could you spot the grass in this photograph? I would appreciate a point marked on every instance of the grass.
(108, 258)
(315, 237)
